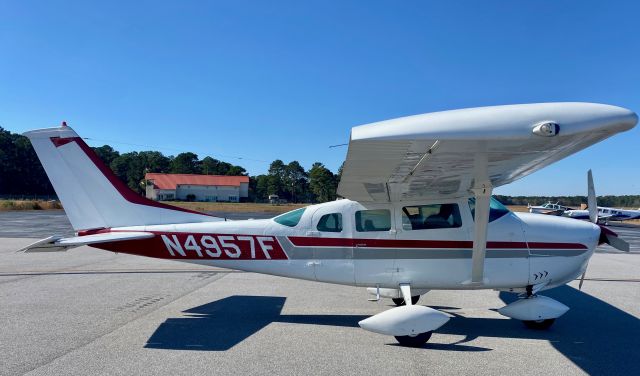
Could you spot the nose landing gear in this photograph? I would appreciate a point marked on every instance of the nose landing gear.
(535, 311)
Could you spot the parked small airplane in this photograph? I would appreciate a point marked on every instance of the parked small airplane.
(418, 213)
(605, 214)
(549, 208)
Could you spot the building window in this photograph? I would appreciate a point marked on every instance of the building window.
(373, 220)
(424, 217)
(330, 223)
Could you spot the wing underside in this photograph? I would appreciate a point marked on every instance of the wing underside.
(446, 154)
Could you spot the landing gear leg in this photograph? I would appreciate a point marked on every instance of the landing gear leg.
(400, 301)
(529, 289)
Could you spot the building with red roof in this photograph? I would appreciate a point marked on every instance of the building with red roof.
(192, 187)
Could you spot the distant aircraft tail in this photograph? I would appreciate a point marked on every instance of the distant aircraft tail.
(92, 196)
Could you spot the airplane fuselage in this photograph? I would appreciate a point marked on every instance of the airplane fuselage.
(605, 214)
(363, 244)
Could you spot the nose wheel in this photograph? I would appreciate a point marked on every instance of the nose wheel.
(539, 324)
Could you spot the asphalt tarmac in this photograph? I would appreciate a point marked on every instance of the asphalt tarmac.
(89, 311)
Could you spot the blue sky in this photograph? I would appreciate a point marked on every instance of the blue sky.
(285, 79)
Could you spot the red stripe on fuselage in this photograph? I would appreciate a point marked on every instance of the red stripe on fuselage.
(303, 241)
(205, 246)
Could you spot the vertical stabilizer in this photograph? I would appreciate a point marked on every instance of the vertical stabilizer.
(92, 196)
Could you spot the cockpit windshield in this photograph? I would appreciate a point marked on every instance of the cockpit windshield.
(496, 209)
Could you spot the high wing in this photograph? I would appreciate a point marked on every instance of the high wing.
(448, 154)
(59, 244)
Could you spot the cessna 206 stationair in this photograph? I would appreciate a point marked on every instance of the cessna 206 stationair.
(417, 214)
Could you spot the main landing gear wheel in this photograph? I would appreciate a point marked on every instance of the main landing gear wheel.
(539, 324)
(400, 301)
(415, 341)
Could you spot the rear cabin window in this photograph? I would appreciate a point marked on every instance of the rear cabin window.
(425, 217)
(330, 223)
(291, 218)
(373, 220)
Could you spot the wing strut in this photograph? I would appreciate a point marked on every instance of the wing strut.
(482, 195)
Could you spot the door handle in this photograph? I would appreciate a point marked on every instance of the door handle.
(361, 245)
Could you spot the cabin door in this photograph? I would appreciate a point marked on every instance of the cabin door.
(332, 253)
(374, 252)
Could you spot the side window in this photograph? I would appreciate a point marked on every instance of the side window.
(330, 223)
(373, 220)
(424, 217)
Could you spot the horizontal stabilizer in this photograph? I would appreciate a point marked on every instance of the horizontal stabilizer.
(59, 244)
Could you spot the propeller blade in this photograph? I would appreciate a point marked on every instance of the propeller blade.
(609, 237)
(582, 279)
(592, 205)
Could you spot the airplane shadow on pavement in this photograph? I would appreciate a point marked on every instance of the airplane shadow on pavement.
(220, 325)
(596, 336)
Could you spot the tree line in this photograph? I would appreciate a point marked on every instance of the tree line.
(22, 174)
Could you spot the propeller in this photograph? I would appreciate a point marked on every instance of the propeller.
(592, 205)
(582, 278)
(606, 236)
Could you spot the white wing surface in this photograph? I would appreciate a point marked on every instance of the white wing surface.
(446, 154)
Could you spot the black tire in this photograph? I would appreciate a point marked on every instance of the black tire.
(416, 341)
(400, 301)
(539, 324)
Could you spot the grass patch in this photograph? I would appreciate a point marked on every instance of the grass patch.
(6, 205)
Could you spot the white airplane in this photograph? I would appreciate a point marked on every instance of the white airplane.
(549, 208)
(605, 214)
(418, 213)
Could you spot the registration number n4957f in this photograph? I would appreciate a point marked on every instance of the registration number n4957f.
(223, 246)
